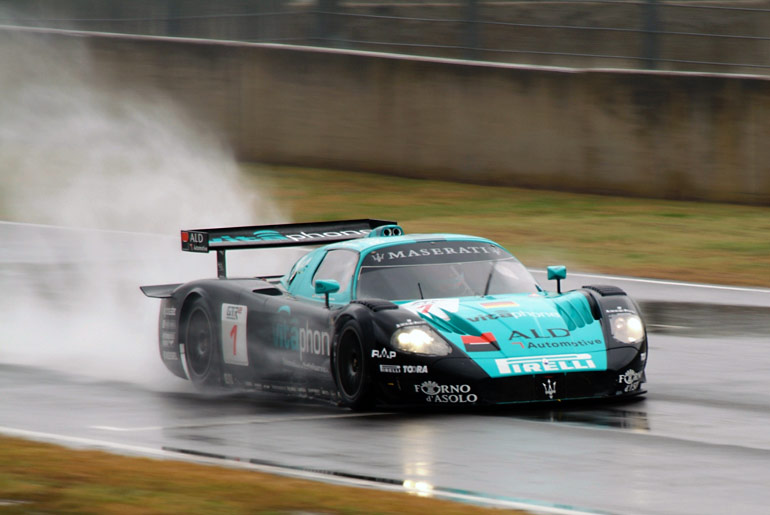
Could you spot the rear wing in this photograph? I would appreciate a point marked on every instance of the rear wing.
(281, 235)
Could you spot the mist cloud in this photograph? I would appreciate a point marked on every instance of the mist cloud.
(124, 171)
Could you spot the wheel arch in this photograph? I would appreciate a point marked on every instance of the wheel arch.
(186, 308)
(363, 317)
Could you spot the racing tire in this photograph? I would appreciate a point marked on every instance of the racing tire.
(354, 383)
(201, 346)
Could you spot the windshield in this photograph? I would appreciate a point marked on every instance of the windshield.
(433, 270)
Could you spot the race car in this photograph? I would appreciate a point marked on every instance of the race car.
(375, 316)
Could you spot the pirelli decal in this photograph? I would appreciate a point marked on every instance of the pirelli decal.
(545, 364)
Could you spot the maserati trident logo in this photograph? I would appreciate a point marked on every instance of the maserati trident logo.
(378, 257)
(550, 389)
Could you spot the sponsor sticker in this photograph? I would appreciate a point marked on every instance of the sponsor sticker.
(484, 343)
(515, 315)
(499, 304)
(269, 235)
(406, 369)
(434, 252)
(234, 351)
(383, 354)
(167, 339)
(305, 340)
(434, 307)
(195, 241)
(446, 393)
(631, 380)
(544, 364)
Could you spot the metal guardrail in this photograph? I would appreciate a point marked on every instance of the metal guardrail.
(651, 34)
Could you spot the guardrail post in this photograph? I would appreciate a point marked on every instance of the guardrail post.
(651, 51)
(326, 23)
(471, 30)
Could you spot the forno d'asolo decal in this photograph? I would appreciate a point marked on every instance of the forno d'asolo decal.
(446, 394)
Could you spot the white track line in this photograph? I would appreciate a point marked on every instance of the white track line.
(237, 422)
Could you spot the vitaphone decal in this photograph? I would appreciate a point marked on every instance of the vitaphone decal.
(268, 235)
(303, 339)
(515, 315)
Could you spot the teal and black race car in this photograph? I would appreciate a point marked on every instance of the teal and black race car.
(374, 316)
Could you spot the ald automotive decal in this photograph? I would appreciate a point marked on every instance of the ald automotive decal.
(523, 335)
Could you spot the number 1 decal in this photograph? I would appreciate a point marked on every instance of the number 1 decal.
(234, 336)
(234, 350)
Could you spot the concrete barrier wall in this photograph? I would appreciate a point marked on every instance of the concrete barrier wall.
(681, 136)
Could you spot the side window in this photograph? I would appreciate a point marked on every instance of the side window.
(299, 266)
(338, 265)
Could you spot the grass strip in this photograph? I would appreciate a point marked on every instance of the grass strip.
(43, 478)
(687, 241)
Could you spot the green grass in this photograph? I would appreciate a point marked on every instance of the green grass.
(688, 241)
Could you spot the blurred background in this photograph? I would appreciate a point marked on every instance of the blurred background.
(532, 123)
(690, 35)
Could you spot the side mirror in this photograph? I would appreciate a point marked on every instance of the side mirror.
(558, 273)
(325, 287)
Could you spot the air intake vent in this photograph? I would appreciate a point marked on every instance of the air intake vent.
(387, 230)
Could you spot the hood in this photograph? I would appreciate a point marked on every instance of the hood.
(520, 334)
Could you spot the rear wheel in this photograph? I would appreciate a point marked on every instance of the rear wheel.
(201, 346)
(353, 381)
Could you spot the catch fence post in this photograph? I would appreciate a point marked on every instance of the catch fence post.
(326, 23)
(471, 42)
(651, 51)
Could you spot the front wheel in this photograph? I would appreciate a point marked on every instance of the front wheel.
(201, 346)
(350, 370)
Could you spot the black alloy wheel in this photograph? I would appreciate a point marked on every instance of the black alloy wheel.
(201, 346)
(353, 380)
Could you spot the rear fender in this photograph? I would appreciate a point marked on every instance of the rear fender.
(171, 323)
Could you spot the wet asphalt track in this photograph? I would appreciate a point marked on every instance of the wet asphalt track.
(699, 442)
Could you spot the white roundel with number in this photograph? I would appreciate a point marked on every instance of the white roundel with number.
(234, 350)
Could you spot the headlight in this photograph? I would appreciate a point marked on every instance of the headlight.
(420, 340)
(627, 328)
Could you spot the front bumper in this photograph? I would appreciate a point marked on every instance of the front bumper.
(459, 381)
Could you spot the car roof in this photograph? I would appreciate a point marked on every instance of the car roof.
(364, 245)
